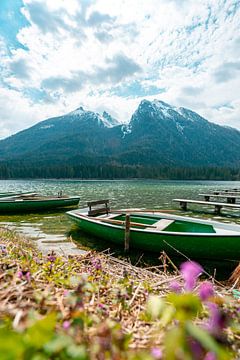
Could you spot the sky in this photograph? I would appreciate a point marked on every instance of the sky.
(58, 55)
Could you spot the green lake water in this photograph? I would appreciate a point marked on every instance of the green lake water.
(54, 231)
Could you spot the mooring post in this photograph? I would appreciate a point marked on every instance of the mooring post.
(127, 233)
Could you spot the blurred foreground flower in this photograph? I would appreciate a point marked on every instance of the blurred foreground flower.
(190, 271)
(206, 290)
(156, 353)
(175, 287)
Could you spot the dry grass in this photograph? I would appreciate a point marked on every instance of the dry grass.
(113, 289)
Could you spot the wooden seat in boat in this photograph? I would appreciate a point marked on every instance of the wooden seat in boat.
(162, 224)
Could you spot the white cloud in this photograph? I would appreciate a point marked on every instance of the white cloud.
(77, 52)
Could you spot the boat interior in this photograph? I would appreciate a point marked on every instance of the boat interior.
(155, 222)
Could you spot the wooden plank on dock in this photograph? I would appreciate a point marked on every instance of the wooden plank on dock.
(231, 199)
(218, 205)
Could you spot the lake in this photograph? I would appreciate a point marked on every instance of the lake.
(53, 230)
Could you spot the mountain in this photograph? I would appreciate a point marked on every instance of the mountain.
(79, 132)
(158, 134)
(161, 133)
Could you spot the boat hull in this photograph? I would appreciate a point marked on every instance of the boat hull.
(192, 245)
(26, 205)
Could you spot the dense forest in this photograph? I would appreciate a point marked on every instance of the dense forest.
(114, 171)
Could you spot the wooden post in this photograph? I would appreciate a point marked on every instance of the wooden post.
(218, 209)
(183, 205)
(127, 233)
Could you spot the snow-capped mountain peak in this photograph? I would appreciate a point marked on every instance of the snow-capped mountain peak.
(108, 120)
(78, 112)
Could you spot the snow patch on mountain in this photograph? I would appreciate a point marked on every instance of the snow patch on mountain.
(105, 119)
(108, 120)
(46, 126)
(126, 130)
(78, 112)
(179, 127)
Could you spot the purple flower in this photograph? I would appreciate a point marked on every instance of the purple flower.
(196, 348)
(3, 249)
(156, 353)
(206, 290)
(190, 271)
(175, 287)
(28, 276)
(97, 264)
(20, 274)
(24, 275)
(217, 321)
(210, 356)
(51, 257)
(66, 325)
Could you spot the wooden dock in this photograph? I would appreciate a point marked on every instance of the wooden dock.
(217, 205)
(231, 199)
(226, 191)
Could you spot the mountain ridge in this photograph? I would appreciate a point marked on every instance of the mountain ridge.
(157, 134)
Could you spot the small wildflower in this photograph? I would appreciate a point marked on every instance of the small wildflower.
(65, 292)
(28, 276)
(196, 348)
(156, 353)
(3, 249)
(210, 356)
(24, 275)
(20, 274)
(190, 271)
(51, 257)
(97, 264)
(217, 320)
(66, 325)
(206, 290)
(175, 287)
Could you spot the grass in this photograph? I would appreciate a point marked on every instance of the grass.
(94, 306)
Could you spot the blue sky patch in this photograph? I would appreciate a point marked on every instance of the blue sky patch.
(11, 20)
(136, 89)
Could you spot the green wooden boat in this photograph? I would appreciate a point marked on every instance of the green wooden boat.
(155, 231)
(12, 193)
(36, 203)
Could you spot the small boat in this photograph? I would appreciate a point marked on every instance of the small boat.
(14, 194)
(157, 232)
(34, 202)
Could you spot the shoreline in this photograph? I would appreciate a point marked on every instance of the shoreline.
(94, 288)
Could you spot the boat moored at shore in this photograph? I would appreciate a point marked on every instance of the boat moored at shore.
(21, 204)
(157, 232)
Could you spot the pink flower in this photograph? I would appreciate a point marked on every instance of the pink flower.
(28, 276)
(175, 287)
(217, 320)
(190, 271)
(52, 257)
(24, 275)
(97, 264)
(210, 356)
(156, 353)
(206, 290)
(20, 274)
(66, 325)
(196, 348)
